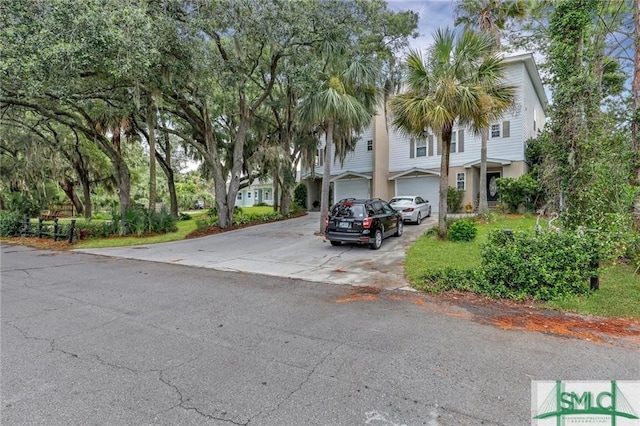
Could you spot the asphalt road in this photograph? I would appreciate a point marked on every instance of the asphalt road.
(92, 340)
(289, 249)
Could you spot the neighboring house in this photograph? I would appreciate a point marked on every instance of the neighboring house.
(256, 193)
(386, 163)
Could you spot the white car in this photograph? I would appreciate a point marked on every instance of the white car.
(412, 207)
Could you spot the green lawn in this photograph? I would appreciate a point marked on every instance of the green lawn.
(619, 294)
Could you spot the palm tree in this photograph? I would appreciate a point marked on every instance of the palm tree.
(342, 106)
(491, 17)
(460, 81)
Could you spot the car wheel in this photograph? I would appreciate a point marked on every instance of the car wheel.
(419, 219)
(336, 243)
(399, 228)
(377, 240)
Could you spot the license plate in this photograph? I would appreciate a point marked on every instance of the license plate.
(344, 225)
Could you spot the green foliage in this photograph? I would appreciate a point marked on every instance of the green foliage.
(462, 230)
(449, 278)
(213, 211)
(22, 204)
(139, 221)
(544, 265)
(184, 216)
(300, 195)
(515, 192)
(10, 223)
(96, 229)
(454, 199)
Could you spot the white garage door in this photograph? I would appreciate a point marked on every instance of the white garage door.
(426, 187)
(352, 188)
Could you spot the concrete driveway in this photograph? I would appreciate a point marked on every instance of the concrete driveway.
(287, 248)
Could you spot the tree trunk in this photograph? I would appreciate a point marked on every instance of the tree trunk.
(124, 193)
(151, 126)
(483, 205)
(444, 181)
(69, 189)
(326, 177)
(86, 195)
(171, 184)
(635, 122)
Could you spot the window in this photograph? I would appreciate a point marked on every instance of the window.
(369, 145)
(454, 142)
(256, 194)
(506, 129)
(421, 147)
(267, 195)
(239, 197)
(495, 130)
(249, 194)
(460, 180)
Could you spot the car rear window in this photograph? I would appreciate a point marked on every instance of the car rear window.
(348, 211)
(401, 201)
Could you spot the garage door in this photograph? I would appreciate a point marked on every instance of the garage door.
(352, 188)
(426, 187)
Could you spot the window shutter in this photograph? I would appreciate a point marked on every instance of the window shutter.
(505, 129)
(461, 140)
(437, 145)
(321, 157)
(412, 148)
(430, 148)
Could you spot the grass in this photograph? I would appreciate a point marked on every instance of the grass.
(185, 227)
(618, 296)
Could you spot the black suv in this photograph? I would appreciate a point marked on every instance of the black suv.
(362, 221)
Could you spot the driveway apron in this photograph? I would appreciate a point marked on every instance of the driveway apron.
(288, 248)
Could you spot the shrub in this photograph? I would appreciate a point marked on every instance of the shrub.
(300, 195)
(454, 199)
(139, 221)
(90, 229)
(462, 230)
(10, 223)
(184, 216)
(544, 265)
(516, 192)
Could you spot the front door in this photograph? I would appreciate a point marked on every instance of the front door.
(492, 188)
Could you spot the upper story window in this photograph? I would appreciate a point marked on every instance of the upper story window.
(495, 130)
(369, 145)
(421, 147)
(454, 142)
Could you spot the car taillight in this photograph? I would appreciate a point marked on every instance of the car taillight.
(410, 209)
(326, 221)
(366, 223)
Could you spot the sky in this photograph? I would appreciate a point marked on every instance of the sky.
(432, 14)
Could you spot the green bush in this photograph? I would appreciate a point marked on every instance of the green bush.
(300, 195)
(184, 216)
(544, 265)
(516, 192)
(139, 221)
(438, 280)
(462, 230)
(22, 204)
(90, 229)
(454, 199)
(10, 223)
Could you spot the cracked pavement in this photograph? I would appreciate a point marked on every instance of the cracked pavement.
(97, 340)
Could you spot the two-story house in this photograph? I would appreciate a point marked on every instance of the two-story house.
(386, 163)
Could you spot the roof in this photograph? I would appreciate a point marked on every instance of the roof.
(414, 172)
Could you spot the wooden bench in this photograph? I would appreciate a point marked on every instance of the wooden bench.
(48, 215)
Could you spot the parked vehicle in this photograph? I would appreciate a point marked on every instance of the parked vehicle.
(412, 207)
(362, 221)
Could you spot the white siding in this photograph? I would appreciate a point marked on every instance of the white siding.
(360, 160)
